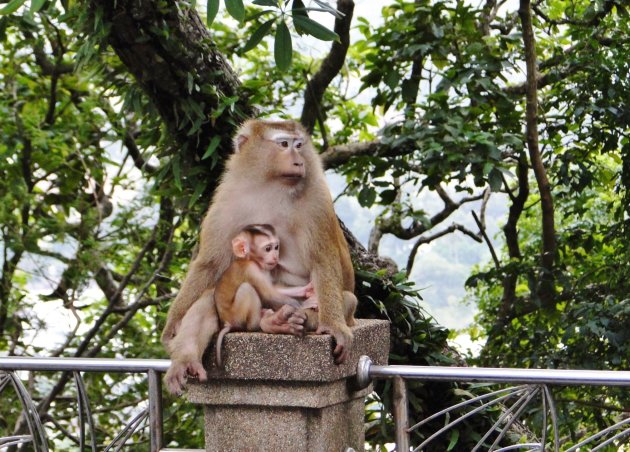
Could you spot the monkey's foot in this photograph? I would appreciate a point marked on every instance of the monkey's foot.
(287, 320)
(177, 374)
(343, 340)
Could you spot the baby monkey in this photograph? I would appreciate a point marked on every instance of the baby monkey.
(246, 288)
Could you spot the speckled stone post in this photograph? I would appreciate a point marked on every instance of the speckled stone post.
(283, 393)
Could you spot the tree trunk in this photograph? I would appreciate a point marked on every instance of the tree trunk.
(546, 290)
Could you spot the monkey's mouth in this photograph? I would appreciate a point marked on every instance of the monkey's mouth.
(293, 178)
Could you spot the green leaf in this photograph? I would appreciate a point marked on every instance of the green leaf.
(258, 35)
(495, 180)
(177, 173)
(199, 188)
(36, 5)
(314, 29)
(211, 11)
(214, 143)
(453, 440)
(298, 10)
(283, 48)
(236, 9)
(272, 3)
(12, 6)
(367, 196)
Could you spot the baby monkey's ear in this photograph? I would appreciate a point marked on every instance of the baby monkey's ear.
(240, 246)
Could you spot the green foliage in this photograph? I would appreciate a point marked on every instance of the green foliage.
(279, 14)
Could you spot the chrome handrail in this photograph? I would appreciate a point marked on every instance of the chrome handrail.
(152, 367)
(534, 383)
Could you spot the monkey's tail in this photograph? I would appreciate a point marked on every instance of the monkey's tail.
(226, 329)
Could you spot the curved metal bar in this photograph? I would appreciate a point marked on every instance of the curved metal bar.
(38, 434)
(530, 446)
(600, 434)
(501, 419)
(4, 381)
(554, 418)
(84, 412)
(15, 440)
(524, 401)
(545, 426)
(460, 419)
(610, 440)
(513, 391)
(122, 437)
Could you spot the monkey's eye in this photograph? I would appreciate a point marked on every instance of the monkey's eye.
(277, 247)
(298, 144)
(268, 248)
(284, 144)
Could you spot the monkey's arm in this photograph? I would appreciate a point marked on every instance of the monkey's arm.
(269, 295)
(299, 292)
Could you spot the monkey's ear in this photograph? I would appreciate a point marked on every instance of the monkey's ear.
(240, 247)
(239, 141)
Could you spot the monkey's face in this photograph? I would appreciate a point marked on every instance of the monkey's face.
(285, 151)
(266, 251)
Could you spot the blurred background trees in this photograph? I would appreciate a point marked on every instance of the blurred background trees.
(116, 118)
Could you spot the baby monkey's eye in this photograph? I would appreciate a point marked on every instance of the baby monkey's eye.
(268, 248)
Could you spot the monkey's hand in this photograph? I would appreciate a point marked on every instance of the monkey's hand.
(309, 290)
(342, 337)
(177, 374)
(287, 320)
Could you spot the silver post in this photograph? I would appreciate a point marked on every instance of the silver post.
(155, 410)
(363, 371)
(401, 415)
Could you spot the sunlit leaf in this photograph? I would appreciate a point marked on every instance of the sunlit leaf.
(236, 9)
(12, 6)
(212, 8)
(36, 5)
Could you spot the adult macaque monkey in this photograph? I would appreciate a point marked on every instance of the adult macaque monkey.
(246, 287)
(273, 177)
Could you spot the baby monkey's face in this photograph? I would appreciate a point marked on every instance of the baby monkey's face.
(266, 251)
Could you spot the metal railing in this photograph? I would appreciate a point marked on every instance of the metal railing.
(37, 434)
(532, 383)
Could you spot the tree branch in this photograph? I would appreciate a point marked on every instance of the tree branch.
(428, 239)
(331, 65)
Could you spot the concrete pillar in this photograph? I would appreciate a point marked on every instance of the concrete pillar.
(283, 393)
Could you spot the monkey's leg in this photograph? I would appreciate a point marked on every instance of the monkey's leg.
(246, 308)
(349, 307)
(186, 349)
